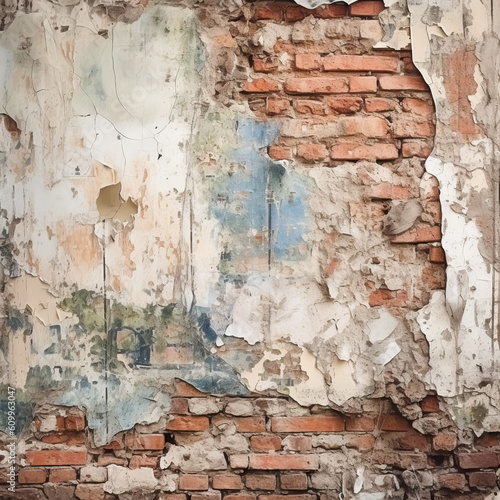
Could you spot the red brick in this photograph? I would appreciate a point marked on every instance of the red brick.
(380, 297)
(114, 445)
(265, 443)
(409, 67)
(308, 61)
(379, 104)
(344, 104)
(309, 107)
(145, 441)
(406, 126)
(418, 107)
(250, 424)
(444, 442)
(68, 438)
(60, 423)
(32, 476)
(363, 442)
(388, 191)
(482, 480)
(105, 460)
(284, 462)
(138, 461)
(277, 106)
(293, 482)
(367, 8)
(193, 482)
(280, 153)
(366, 84)
(179, 406)
(430, 404)
(369, 126)
(454, 482)
(307, 424)
(56, 457)
(296, 13)
(348, 151)
(421, 149)
(487, 440)
(264, 65)
(260, 482)
(62, 475)
(74, 423)
(183, 389)
(172, 496)
(330, 11)
(434, 276)
(261, 85)
(312, 152)
(436, 254)
(359, 424)
(419, 235)
(240, 497)
(480, 460)
(209, 495)
(402, 83)
(227, 482)
(87, 492)
(394, 423)
(360, 63)
(188, 424)
(271, 11)
(320, 85)
(298, 443)
(287, 497)
(414, 442)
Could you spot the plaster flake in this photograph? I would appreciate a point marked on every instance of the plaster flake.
(314, 390)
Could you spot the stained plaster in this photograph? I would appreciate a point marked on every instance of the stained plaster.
(236, 247)
(461, 324)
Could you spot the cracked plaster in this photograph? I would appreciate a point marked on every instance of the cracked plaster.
(112, 118)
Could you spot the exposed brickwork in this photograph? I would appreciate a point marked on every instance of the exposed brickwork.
(334, 107)
(276, 456)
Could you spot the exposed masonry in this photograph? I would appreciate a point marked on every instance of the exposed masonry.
(268, 448)
(293, 250)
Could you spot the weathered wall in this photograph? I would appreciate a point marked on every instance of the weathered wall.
(237, 195)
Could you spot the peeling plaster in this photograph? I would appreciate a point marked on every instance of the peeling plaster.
(214, 245)
(461, 325)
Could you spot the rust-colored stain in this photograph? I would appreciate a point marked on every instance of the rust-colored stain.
(81, 245)
(460, 84)
(127, 248)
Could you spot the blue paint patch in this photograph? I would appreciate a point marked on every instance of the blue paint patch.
(260, 205)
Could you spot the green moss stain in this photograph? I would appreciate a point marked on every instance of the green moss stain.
(88, 307)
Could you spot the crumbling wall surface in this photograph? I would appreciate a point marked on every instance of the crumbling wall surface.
(457, 53)
(240, 195)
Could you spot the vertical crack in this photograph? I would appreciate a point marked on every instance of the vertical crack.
(106, 356)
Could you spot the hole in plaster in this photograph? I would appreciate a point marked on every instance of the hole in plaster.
(112, 206)
(11, 126)
(169, 438)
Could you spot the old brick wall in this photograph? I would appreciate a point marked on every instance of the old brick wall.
(339, 101)
(265, 448)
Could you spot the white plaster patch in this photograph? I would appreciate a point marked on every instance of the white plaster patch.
(122, 480)
(382, 327)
